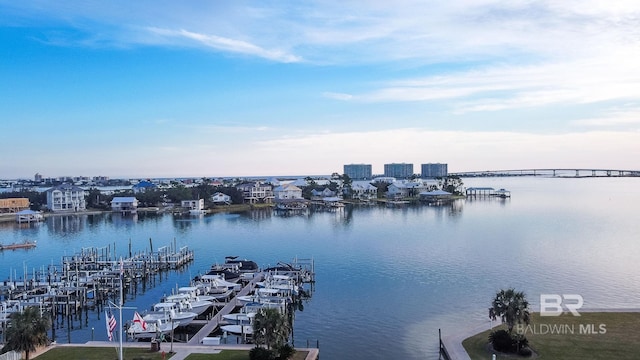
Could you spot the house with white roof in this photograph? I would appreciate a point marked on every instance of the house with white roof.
(193, 205)
(287, 191)
(404, 189)
(220, 198)
(289, 197)
(124, 204)
(320, 194)
(363, 190)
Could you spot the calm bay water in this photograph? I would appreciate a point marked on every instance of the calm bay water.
(389, 278)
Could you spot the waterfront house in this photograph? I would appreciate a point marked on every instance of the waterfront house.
(193, 205)
(256, 192)
(287, 191)
(405, 189)
(320, 194)
(363, 190)
(221, 198)
(66, 197)
(289, 196)
(124, 204)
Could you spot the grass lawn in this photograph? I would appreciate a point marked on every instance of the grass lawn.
(109, 353)
(99, 353)
(237, 355)
(595, 336)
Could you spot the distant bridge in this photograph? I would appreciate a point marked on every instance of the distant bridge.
(561, 172)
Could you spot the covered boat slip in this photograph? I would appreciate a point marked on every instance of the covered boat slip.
(487, 191)
(29, 216)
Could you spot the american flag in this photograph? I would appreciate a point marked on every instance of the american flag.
(111, 324)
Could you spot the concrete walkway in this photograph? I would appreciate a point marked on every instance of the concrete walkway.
(453, 343)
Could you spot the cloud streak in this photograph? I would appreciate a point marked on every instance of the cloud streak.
(226, 44)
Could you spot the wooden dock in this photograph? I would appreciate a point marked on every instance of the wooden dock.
(227, 309)
(25, 245)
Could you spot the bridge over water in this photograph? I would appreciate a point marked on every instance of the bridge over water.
(560, 172)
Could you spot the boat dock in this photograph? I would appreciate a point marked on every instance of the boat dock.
(86, 280)
(15, 246)
(212, 324)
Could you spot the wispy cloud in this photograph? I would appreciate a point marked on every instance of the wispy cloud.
(614, 118)
(348, 32)
(495, 88)
(230, 129)
(337, 96)
(226, 44)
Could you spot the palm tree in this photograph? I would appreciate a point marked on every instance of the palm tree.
(512, 307)
(27, 330)
(271, 328)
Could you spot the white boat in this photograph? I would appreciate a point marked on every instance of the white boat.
(255, 307)
(238, 329)
(216, 284)
(239, 318)
(254, 302)
(198, 291)
(151, 329)
(194, 304)
(170, 312)
(284, 283)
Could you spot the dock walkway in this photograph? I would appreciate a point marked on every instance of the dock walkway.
(227, 309)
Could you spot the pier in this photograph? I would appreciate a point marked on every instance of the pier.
(83, 281)
(25, 245)
(213, 324)
(559, 172)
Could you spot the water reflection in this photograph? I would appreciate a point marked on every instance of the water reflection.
(65, 225)
(423, 266)
(126, 220)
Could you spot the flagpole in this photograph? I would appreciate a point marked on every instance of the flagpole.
(121, 304)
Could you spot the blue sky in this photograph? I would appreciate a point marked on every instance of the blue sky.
(241, 88)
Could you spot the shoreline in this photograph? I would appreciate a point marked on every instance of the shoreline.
(11, 217)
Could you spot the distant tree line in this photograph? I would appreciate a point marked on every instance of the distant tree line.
(340, 184)
(174, 195)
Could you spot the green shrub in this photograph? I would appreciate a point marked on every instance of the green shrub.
(259, 353)
(285, 351)
(501, 341)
